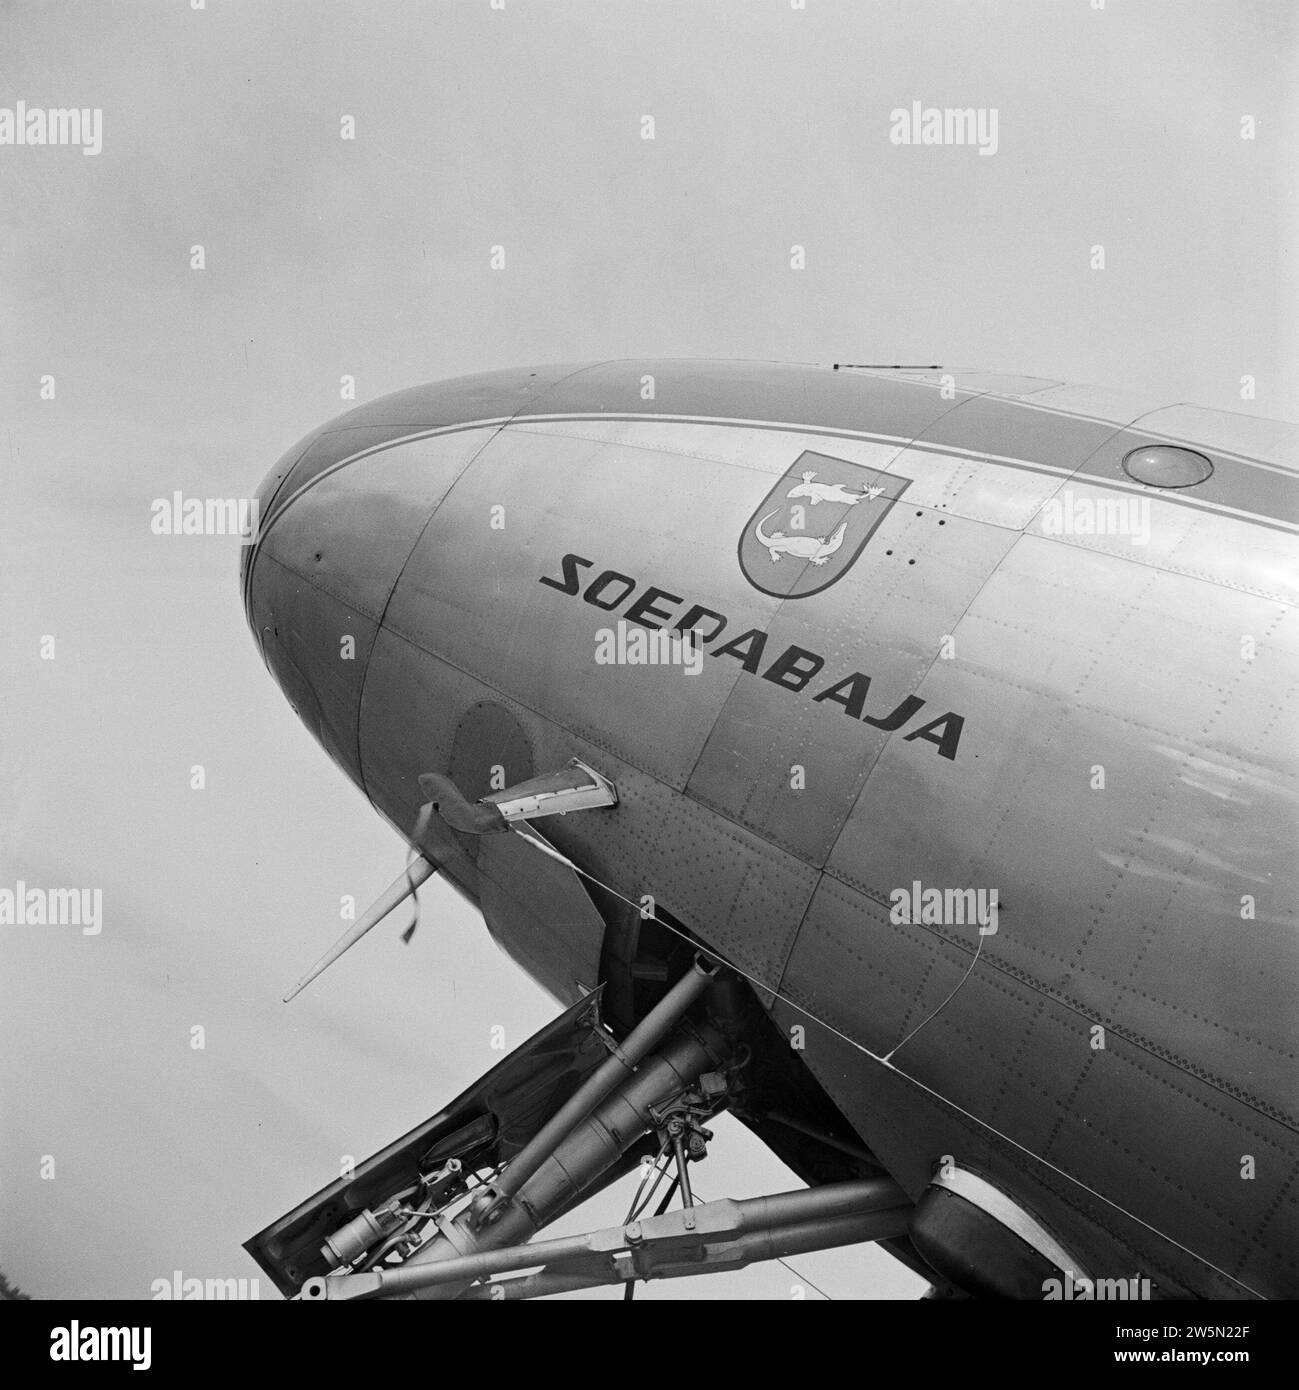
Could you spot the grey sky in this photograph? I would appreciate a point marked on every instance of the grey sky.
(370, 257)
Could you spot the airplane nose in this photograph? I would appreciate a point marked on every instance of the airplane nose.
(263, 500)
(311, 612)
(337, 517)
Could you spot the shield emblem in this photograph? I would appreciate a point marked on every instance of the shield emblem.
(810, 528)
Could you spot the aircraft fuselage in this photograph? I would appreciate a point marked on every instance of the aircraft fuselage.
(944, 659)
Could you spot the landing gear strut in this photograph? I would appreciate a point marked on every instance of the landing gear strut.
(448, 1211)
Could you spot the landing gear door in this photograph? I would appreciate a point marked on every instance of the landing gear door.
(484, 1127)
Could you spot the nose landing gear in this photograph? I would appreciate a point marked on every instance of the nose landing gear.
(451, 1210)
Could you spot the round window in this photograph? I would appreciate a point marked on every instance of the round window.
(1166, 465)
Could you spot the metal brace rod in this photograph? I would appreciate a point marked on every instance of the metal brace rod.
(713, 1236)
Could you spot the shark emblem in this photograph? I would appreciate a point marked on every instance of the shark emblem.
(831, 492)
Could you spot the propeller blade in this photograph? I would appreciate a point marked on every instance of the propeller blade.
(393, 896)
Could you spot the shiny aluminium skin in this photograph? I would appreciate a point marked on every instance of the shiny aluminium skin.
(960, 632)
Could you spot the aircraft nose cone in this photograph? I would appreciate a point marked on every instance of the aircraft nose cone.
(337, 518)
(264, 498)
(313, 614)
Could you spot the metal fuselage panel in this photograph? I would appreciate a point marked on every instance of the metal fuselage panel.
(1100, 729)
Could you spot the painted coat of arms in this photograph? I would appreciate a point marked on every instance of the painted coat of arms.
(810, 528)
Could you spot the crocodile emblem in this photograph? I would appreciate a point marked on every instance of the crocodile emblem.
(816, 549)
(849, 500)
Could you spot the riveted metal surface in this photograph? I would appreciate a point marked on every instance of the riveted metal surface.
(885, 619)
(1271, 493)
(496, 620)
(1121, 907)
(1047, 665)
(735, 892)
(978, 490)
(535, 909)
(1030, 1068)
(912, 1131)
(1153, 530)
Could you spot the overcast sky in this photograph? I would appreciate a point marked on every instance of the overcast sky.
(324, 257)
